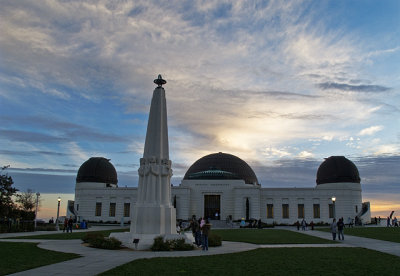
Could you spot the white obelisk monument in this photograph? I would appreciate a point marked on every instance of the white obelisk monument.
(153, 213)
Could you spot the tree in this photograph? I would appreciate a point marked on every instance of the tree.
(26, 200)
(6, 193)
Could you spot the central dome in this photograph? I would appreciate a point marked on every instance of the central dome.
(221, 166)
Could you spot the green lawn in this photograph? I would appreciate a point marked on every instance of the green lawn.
(379, 233)
(276, 261)
(267, 236)
(69, 236)
(15, 257)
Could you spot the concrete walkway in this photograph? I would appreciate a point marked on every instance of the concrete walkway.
(378, 245)
(95, 261)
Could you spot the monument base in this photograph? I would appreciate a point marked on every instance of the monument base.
(145, 241)
(153, 219)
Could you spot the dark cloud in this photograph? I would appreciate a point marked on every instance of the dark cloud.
(32, 153)
(44, 183)
(137, 11)
(43, 170)
(29, 136)
(127, 165)
(379, 174)
(68, 131)
(354, 88)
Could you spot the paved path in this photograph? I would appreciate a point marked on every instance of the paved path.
(95, 261)
(378, 245)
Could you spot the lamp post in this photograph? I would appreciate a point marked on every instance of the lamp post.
(334, 207)
(37, 205)
(58, 212)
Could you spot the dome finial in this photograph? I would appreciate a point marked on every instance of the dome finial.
(159, 81)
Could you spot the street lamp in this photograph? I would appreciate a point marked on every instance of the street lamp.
(58, 212)
(334, 207)
(37, 205)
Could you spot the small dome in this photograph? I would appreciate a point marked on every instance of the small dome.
(221, 166)
(337, 169)
(97, 169)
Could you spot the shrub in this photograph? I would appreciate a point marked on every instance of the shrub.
(214, 240)
(97, 240)
(110, 243)
(167, 245)
(90, 236)
(161, 245)
(46, 227)
(180, 245)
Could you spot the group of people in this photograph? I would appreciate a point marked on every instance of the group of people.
(337, 228)
(394, 222)
(68, 224)
(304, 225)
(200, 229)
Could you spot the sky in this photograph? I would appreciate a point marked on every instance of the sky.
(280, 84)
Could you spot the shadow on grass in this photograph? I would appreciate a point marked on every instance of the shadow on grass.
(276, 261)
(268, 236)
(68, 236)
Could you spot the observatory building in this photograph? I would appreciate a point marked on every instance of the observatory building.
(221, 185)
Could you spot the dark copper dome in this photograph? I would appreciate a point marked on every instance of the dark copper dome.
(337, 169)
(221, 166)
(97, 169)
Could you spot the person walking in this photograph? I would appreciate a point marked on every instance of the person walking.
(340, 227)
(205, 232)
(334, 229)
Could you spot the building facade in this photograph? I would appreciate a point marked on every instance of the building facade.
(221, 185)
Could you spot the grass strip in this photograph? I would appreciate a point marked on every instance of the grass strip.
(270, 261)
(391, 234)
(15, 257)
(268, 236)
(69, 236)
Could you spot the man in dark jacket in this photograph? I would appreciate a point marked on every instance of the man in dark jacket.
(340, 226)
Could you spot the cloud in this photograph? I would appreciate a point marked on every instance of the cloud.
(305, 154)
(32, 153)
(353, 88)
(29, 136)
(67, 131)
(370, 130)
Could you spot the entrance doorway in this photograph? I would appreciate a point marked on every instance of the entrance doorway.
(212, 206)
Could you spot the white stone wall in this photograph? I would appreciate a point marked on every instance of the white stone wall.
(190, 200)
(86, 198)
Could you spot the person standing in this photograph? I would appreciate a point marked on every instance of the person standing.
(65, 225)
(334, 229)
(205, 231)
(70, 222)
(340, 226)
(298, 225)
(303, 225)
